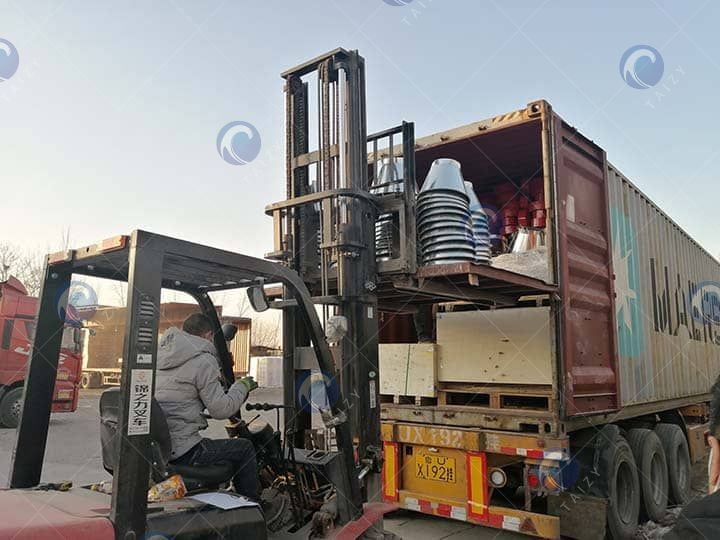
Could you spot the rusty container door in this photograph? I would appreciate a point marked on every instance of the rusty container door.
(588, 379)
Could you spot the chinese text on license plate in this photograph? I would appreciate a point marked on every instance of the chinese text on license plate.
(435, 467)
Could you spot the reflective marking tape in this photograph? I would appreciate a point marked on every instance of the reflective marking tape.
(434, 508)
(476, 470)
(511, 523)
(557, 455)
(458, 512)
(390, 476)
(412, 504)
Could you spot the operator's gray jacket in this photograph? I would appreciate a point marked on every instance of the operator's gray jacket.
(187, 381)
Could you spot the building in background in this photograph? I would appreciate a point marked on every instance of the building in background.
(105, 332)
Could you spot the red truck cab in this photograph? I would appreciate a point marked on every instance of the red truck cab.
(17, 326)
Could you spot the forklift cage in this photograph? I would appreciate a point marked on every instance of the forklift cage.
(148, 263)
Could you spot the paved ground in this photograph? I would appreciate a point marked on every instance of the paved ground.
(73, 453)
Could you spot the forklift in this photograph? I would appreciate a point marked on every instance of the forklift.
(324, 260)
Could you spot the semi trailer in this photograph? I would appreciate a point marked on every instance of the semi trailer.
(565, 405)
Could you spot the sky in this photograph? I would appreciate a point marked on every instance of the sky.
(110, 122)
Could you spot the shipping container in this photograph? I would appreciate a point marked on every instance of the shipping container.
(667, 349)
(621, 335)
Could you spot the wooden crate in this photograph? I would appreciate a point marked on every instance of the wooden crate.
(506, 346)
(408, 369)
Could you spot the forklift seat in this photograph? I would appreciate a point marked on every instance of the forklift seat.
(195, 477)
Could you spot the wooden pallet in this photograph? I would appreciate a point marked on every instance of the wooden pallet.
(421, 401)
(520, 398)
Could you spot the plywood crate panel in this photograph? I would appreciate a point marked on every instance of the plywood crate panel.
(496, 346)
(408, 369)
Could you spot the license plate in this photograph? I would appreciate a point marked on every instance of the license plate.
(435, 467)
(64, 394)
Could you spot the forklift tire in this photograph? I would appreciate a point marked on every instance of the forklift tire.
(11, 407)
(623, 489)
(678, 461)
(652, 472)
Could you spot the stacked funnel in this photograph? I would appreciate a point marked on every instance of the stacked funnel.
(389, 180)
(443, 216)
(481, 231)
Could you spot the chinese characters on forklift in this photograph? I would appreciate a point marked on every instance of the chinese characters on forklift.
(257, 297)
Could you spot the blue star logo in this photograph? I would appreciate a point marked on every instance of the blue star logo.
(630, 327)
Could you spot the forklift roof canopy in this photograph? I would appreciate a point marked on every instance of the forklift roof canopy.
(186, 266)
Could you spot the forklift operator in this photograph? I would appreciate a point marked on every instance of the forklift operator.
(188, 381)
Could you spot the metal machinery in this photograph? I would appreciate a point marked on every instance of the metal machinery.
(325, 231)
(148, 263)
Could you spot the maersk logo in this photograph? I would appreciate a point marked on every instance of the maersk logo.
(684, 305)
(630, 327)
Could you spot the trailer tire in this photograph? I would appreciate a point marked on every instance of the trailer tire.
(11, 407)
(90, 380)
(623, 489)
(652, 472)
(677, 456)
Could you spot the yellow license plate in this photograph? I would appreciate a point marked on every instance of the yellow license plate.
(64, 394)
(435, 467)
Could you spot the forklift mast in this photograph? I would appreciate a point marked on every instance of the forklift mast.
(325, 232)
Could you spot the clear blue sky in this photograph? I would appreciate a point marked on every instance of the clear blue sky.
(110, 122)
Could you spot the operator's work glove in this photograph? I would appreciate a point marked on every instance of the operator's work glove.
(249, 383)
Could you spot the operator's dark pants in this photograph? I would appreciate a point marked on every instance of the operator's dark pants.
(240, 452)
